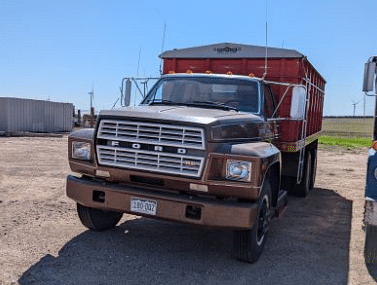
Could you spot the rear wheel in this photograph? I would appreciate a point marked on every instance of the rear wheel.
(248, 244)
(302, 189)
(98, 220)
(314, 169)
(371, 245)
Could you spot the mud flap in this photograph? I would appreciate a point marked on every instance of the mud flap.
(282, 204)
(370, 214)
(370, 220)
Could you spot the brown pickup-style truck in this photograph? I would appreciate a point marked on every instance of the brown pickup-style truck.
(218, 141)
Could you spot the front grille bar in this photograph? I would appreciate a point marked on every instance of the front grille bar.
(150, 161)
(162, 134)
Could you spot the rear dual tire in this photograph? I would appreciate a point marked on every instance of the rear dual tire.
(314, 169)
(308, 176)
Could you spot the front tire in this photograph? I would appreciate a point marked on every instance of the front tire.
(370, 251)
(248, 244)
(98, 220)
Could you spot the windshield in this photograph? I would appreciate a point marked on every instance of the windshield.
(242, 95)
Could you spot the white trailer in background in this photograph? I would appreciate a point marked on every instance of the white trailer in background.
(19, 115)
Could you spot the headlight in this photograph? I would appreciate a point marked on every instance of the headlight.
(238, 170)
(81, 150)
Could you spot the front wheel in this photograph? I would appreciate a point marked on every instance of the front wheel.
(248, 244)
(371, 245)
(96, 219)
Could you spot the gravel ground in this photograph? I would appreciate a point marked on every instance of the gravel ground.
(319, 240)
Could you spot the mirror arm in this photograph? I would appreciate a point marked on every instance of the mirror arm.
(281, 100)
(137, 86)
(370, 95)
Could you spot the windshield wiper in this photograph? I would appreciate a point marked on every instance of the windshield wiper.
(205, 104)
(162, 102)
(215, 105)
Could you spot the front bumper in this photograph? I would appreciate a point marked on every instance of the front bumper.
(170, 206)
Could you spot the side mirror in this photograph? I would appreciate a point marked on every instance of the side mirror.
(369, 71)
(298, 102)
(127, 93)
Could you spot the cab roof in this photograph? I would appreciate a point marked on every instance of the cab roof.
(216, 75)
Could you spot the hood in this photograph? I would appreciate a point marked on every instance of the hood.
(177, 113)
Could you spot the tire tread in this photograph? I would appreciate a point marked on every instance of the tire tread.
(300, 190)
(97, 220)
(244, 247)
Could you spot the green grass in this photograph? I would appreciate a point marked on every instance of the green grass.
(348, 127)
(347, 132)
(345, 142)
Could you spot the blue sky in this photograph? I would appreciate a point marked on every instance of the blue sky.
(59, 50)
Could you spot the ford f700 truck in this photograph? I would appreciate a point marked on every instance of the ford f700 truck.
(370, 216)
(218, 141)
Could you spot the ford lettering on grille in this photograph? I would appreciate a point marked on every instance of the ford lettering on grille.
(153, 147)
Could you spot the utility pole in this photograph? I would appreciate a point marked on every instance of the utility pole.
(91, 94)
(364, 106)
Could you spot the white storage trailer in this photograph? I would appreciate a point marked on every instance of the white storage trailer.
(39, 116)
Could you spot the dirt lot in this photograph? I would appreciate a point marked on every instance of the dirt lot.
(319, 240)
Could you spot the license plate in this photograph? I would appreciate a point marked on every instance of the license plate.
(143, 206)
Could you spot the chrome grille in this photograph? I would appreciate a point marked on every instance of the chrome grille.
(127, 134)
(161, 134)
(149, 160)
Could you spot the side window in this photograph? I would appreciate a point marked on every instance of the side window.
(269, 102)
